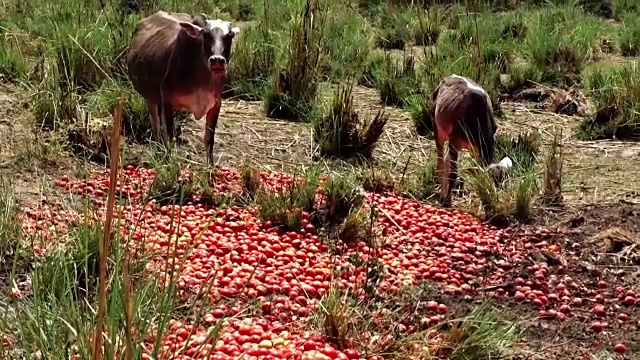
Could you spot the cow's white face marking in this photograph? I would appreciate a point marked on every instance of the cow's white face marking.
(224, 26)
(470, 85)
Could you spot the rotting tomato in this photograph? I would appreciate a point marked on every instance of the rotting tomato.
(243, 258)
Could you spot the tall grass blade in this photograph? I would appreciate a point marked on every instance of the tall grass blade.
(104, 249)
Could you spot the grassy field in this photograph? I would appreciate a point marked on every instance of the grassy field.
(317, 234)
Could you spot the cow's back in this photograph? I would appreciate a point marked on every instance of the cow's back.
(450, 98)
(152, 52)
(458, 103)
(463, 112)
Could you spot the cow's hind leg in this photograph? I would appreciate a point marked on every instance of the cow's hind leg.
(441, 166)
(452, 170)
(169, 121)
(154, 114)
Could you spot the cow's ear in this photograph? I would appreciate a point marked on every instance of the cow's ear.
(200, 20)
(191, 29)
(235, 31)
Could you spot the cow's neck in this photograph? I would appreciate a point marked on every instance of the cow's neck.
(215, 83)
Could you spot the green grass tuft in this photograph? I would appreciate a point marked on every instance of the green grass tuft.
(252, 63)
(630, 36)
(485, 334)
(293, 90)
(341, 133)
(285, 207)
(616, 97)
(395, 29)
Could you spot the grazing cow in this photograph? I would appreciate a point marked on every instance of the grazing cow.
(178, 61)
(464, 117)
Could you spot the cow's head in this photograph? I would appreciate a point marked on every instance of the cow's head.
(216, 38)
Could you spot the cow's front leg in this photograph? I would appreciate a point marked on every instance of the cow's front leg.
(210, 130)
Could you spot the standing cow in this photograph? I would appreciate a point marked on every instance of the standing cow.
(464, 117)
(177, 61)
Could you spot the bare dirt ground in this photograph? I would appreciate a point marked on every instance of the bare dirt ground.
(595, 171)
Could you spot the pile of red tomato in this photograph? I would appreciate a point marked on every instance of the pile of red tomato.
(234, 257)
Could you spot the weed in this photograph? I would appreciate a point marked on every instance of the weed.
(395, 29)
(497, 55)
(344, 56)
(341, 133)
(77, 57)
(54, 110)
(252, 64)
(379, 181)
(135, 118)
(451, 15)
(424, 183)
(422, 111)
(397, 82)
(523, 149)
(12, 65)
(52, 322)
(602, 8)
(335, 318)
(250, 181)
(203, 191)
(623, 7)
(514, 28)
(630, 36)
(169, 186)
(83, 258)
(617, 100)
(60, 285)
(293, 90)
(242, 10)
(504, 195)
(45, 151)
(372, 70)
(10, 231)
(557, 58)
(342, 196)
(483, 185)
(485, 334)
(558, 52)
(356, 228)
(285, 207)
(279, 211)
(519, 77)
(428, 29)
(524, 194)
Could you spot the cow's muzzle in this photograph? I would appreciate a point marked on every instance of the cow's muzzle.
(217, 63)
